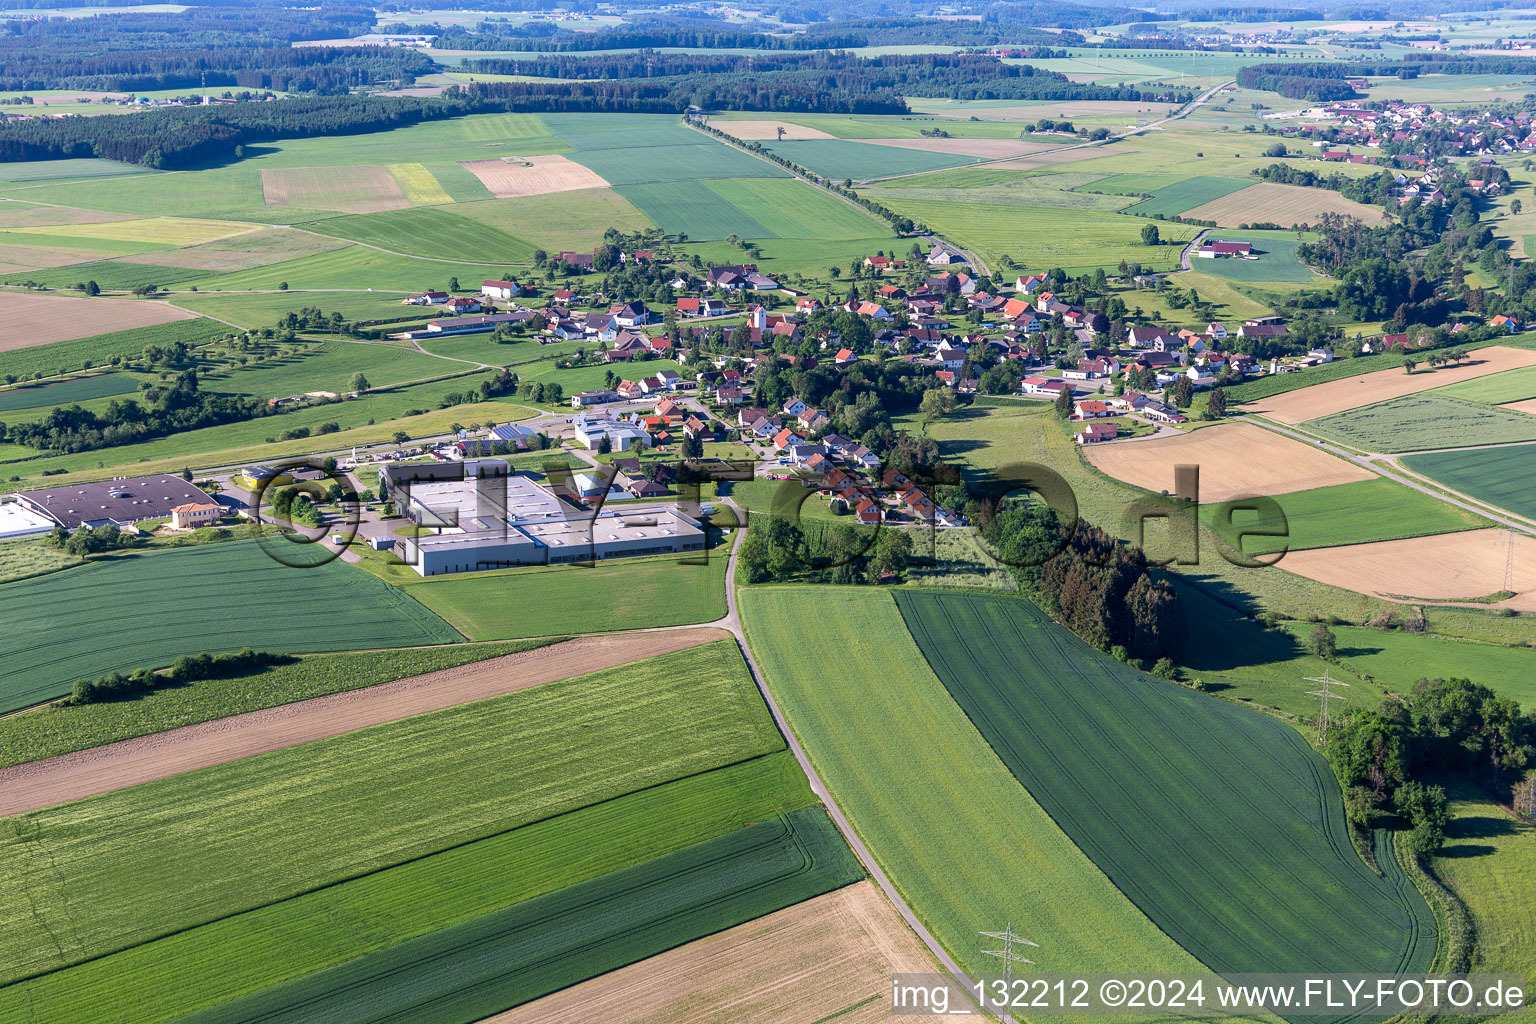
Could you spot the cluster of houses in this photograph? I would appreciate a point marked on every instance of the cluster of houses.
(1476, 132)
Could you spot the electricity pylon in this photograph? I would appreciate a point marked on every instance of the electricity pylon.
(1324, 695)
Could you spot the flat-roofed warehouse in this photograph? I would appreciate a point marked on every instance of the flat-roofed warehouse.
(490, 519)
(115, 502)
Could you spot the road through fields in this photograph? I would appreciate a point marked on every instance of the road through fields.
(83, 773)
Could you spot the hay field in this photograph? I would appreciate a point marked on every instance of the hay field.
(992, 149)
(532, 176)
(1325, 399)
(1450, 567)
(418, 184)
(148, 230)
(344, 189)
(769, 130)
(244, 252)
(33, 320)
(832, 955)
(1280, 204)
(1236, 460)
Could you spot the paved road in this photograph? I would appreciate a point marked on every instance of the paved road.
(1190, 248)
(1392, 471)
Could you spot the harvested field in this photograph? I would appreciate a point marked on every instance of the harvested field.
(830, 955)
(1035, 111)
(1286, 205)
(145, 231)
(31, 256)
(1451, 567)
(992, 149)
(243, 252)
(770, 130)
(532, 175)
(37, 784)
(32, 320)
(344, 189)
(1369, 388)
(1236, 460)
(1527, 405)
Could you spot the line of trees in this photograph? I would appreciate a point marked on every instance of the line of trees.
(188, 668)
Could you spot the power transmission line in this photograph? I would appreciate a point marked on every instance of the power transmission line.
(1006, 954)
(1509, 563)
(1324, 695)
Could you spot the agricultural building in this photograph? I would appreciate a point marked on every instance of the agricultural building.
(115, 502)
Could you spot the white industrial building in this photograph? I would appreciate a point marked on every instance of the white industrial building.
(490, 520)
(590, 430)
(16, 520)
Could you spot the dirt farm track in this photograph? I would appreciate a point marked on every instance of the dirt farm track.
(38, 784)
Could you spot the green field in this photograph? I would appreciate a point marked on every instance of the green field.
(1495, 388)
(964, 843)
(502, 959)
(1042, 238)
(117, 275)
(1150, 779)
(1277, 262)
(80, 167)
(144, 610)
(543, 601)
(1489, 860)
(1398, 660)
(100, 348)
(1172, 200)
(349, 268)
(277, 943)
(1499, 476)
(252, 833)
(1357, 513)
(692, 207)
(80, 389)
(330, 366)
(263, 309)
(561, 220)
(429, 231)
(1426, 420)
(703, 158)
(839, 158)
(50, 730)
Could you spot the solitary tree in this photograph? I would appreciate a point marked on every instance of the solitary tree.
(401, 437)
(92, 288)
(1150, 235)
(1409, 363)
(359, 383)
(1515, 207)
(1217, 403)
(1064, 403)
(1322, 642)
(453, 284)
